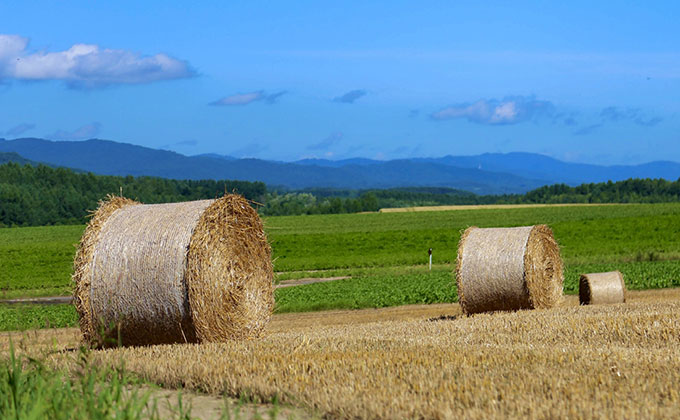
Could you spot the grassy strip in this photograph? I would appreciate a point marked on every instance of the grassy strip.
(33, 391)
(416, 285)
(368, 292)
(27, 317)
(637, 275)
(369, 288)
(37, 258)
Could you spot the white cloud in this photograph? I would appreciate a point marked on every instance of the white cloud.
(11, 46)
(86, 65)
(510, 110)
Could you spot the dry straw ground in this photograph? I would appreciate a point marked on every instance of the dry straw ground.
(607, 361)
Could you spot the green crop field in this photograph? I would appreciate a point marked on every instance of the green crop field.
(37, 261)
(596, 234)
(22, 317)
(385, 253)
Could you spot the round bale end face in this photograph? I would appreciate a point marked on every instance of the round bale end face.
(543, 269)
(229, 246)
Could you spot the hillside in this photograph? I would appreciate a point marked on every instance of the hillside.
(6, 157)
(512, 173)
(121, 159)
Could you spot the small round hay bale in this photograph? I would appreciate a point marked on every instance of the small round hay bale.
(167, 273)
(501, 269)
(600, 288)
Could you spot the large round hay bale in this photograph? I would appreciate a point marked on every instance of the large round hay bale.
(502, 269)
(598, 288)
(167, 273)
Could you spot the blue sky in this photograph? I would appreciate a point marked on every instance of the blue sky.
(580, 81)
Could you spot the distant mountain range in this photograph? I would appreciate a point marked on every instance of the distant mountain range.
(489, 173)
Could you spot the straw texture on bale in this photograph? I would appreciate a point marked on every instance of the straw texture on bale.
(599, 288)
(179, 272)
(501, 269)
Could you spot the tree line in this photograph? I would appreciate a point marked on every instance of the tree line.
(42, 195)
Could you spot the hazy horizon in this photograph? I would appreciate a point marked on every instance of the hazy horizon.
(337, 159)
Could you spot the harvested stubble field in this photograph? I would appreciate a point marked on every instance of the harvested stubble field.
(609, 361)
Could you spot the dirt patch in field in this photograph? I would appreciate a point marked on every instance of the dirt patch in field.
(309, 280)
(49, 300)
(488, 207)
(207, 407)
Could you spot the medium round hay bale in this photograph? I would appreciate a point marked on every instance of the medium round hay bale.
(599, 288)
(179, 272)
(502, 269)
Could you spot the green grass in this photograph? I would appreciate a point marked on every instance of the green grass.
(32, 390)
(368, 288)
(384, 253)
(37, 259)
(26, 317)
(371, 291)
(586, 235)
(375, 288)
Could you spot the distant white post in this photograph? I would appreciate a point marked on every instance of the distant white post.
(429, 251)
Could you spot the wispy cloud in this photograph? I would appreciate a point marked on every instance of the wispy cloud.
(86, 65)
(87, 131)
(184, 144)
(615, 115)
(326, 143)
(18, 129)
(634, 115)
(587, 129)
(248, 98)
(510, 110)
(350, 97)
(250, 150)
(273, 97)
(570, 121)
